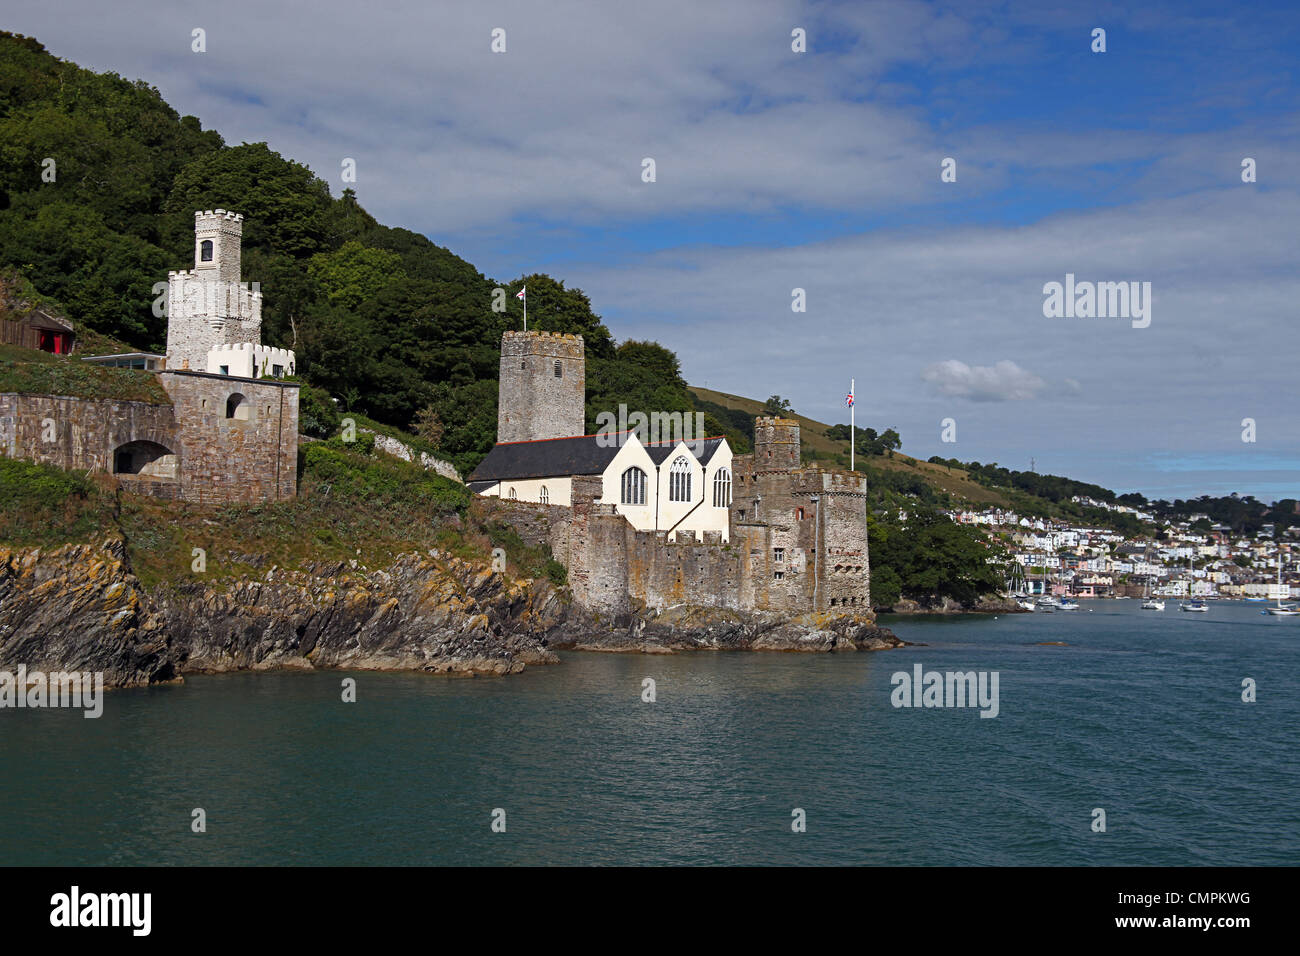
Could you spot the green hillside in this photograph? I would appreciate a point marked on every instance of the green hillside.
(817, 447)
(99, 181)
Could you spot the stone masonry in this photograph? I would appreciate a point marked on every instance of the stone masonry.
(542, 391)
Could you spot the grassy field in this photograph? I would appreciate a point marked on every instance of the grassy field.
(32, 372)
(812, 438)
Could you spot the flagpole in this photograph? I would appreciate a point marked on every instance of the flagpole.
(525, 308)
(852, 411)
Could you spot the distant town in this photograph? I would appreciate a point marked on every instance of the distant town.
(1179, 561)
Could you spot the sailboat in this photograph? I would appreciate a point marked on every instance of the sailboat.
(1196, 604)
(1018, 588)
(1149, 603)
(1280, 609)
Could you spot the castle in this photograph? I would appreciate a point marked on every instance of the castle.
(229, 432)
(670, 522)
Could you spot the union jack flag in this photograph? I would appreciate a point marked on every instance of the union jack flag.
(848, 399)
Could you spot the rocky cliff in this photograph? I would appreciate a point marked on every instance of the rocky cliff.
(80, 607)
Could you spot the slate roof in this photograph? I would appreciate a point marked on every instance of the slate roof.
(554, 457)
(659, 451)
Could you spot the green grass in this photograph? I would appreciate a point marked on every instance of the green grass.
(33, 372)
(43, 506)
(352, 504)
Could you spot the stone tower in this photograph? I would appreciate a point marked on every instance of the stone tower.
(209, 306)
(776, 444)
(542, 390)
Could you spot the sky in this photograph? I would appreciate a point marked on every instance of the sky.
(777, 170)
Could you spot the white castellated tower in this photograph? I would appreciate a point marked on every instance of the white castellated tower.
(214, 321)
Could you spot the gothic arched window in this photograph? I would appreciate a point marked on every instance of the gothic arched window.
(544, 496)
(205, 250)
(679, 480)
(633, 487)
(722, 488)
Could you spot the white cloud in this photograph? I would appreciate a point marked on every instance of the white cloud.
(1005, 381)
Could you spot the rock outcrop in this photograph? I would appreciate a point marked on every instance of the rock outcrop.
(79, 607)
(685, 628)
(990, 604)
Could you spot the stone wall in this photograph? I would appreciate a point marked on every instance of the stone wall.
(804, 551)
(534, 403)
(80, 434)
(235, 459)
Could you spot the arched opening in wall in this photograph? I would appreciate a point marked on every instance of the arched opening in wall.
(798, 513)
(514, 495)
(145, 458)
(205, 250)
(544, 496)
(237, 407)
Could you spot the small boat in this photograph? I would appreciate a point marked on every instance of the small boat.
(1194, 606)
(1068, 605)
(1256, 600)
(1122, 597)
(1026, 604)
(1279, 609)
(1151, 604)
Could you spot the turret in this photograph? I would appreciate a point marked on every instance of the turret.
(776, 444)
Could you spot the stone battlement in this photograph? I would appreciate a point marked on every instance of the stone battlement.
(533, 334)
(218, 214)
(207, 277)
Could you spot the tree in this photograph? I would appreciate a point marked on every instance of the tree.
(777, 406)
(428, 425)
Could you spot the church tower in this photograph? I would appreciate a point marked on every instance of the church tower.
(543, 386)
(209, 307)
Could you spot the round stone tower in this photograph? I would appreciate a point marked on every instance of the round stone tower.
(543, 386)
(776, 444)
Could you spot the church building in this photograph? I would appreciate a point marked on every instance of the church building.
(679, 487)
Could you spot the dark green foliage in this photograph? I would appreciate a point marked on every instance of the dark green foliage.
(43, 505)
(24, 484)
(530, 561)
(382, 318)
(776, 405)
(868, 442)
(318, 416)
(926, 557)
(353, 475)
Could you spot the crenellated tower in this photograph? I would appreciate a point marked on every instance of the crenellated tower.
(209, 306)
(776, 444)
(543, 386)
